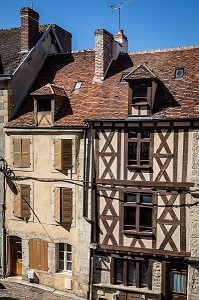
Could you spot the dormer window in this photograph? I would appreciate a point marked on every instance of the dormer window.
(139, 92)
(43, 105)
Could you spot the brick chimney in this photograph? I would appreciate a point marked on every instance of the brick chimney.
(107, 48)
(29, 27)
(64, 37)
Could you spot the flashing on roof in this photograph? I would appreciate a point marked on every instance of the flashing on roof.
(179, 73)
(124, 74)
(77, 86)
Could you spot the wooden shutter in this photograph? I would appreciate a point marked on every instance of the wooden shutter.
(112, 273)
(43, 255)
(58, 155)
(66, 198)
(67, 154)
(57, 204)
(25, 153)
(17, 153)
(38, 254)
(25, 201)
(17, 203)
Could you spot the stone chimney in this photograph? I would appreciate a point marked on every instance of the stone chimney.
(107, 48)
(64, 37)
(103, 53)
(29, 27)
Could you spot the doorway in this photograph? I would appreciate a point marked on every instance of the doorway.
(15, 256)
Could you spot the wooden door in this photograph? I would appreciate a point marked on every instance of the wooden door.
(15, 256)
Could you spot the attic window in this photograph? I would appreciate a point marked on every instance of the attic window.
(124, 74)
(179, 72)
(77, 86)
(43, 105)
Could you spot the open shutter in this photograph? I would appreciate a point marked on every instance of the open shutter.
(33, 254)
(66, 198)
(58, 155)
(57, 204)
(17, 153)
(25, 200)
(112, 273)
(25, 157)
(67, 154)
(44, 255)
(18, 203)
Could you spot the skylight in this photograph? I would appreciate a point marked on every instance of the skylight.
(179, 72)
(77, 86)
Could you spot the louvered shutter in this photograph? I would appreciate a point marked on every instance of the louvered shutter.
(44, 255)
(17, 153)
(25, 153)
(33, 253)
(57, 204)
(67, 154)
(58, 155)
(25, 200)
(17, 203)
(66, 197)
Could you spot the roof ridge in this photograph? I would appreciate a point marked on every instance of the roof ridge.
(165, 49)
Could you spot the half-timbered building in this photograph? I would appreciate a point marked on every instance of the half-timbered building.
(132, 119)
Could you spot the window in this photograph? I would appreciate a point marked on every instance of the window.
(130, 272)
(62, 205)
(139, 148)
(38, 254)
(77, 86)
(62, 154)
(43, 105)
(139, 92)
(137, 212)
(21, 153)
(22, 201)
(65, 257)
(179, 73)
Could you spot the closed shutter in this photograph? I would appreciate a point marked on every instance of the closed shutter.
(58, 155)
(17, 203)
(25, 201)
(25, 153)
(112, 273)
(38, 254)
(57, 204)
(67, 154)
(17, 153)
(44, 255)
(66, 197)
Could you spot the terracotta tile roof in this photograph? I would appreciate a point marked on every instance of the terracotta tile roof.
(109, 100)
(10, 47)
(49, 89)
(141, 72)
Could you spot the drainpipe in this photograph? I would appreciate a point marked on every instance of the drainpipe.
(3, 233)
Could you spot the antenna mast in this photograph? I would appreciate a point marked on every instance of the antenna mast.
(118, 6)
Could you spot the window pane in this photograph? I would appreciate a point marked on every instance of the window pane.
(69, 256)
(145, 218)
(129, 197)
(145, 134)
(145, 198)
(132, 134)
(61, 255)
(61, 247)
(130, 217)
(131, 272)
(140, 89)
(178, 283)
(61, 265)
(43, 105)
(132, 151)
(118, 270)
(144, 155)
(144, 273)
(69, 248)
(69, 266)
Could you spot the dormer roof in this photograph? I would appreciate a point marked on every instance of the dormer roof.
(141, 72)
(49, 90)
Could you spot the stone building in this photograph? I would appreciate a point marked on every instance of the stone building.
(103, 196)
(22, 54)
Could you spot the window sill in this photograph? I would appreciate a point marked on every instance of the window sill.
(142, 233)
(127, 288)
(64, 273)
(139, 104)
(146, 167)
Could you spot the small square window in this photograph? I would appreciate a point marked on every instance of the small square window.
(77, 86)
(179, 73)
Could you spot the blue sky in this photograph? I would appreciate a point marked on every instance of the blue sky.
(153, 24)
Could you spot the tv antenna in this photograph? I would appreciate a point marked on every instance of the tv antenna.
(117, 6)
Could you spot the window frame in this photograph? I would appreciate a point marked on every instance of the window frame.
(65, 257)
(139, 280)
(139, 140)
(138, 206)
